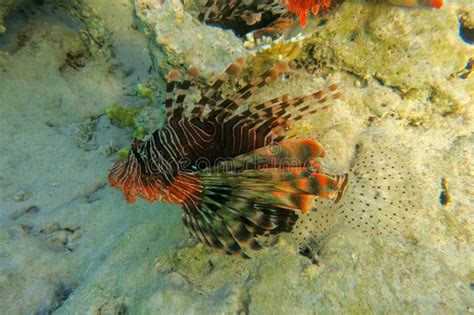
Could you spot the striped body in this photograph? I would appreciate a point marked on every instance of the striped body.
(235, 174)
(242, 16)
(261, 17)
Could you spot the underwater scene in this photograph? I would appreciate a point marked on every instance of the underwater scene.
(237, 157)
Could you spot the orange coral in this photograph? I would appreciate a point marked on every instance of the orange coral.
(302, 7)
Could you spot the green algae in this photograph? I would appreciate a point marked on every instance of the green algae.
(142, 119)
(126, 117)
(145, 92)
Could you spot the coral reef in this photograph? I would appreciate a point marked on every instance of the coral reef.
(394, 38)
(194, 45)
(280, 49)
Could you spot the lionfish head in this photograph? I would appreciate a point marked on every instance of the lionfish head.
(132, 176)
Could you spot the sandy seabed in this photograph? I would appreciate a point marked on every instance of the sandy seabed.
(70, 244)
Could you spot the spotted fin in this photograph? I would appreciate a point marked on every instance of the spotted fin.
(379, 201)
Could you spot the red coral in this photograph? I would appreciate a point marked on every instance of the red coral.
(302, 7)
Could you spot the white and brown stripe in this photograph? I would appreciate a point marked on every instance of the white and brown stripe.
(168, 165)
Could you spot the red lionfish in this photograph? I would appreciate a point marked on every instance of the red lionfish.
(262, 17)
(235, 173)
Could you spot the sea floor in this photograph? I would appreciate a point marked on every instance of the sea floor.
(69, 244)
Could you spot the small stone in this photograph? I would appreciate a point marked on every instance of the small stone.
(18, 214)
(311, 271)
(31, 209)
(76, 235)
(60, 238)
(25, 229)
(50, 228)
(163, 266)
(22, 195)
(108, 149)
(177, 279)
(357, 83)
(69, 228)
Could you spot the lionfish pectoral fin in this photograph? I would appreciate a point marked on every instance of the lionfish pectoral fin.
(286, 153)
(236, 207)
(303, 186)
(233, 210)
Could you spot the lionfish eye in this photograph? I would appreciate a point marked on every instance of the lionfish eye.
(137, 149)
(136, 153)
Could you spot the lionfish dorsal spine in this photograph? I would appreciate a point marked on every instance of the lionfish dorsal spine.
(234, 69)
(224, 109)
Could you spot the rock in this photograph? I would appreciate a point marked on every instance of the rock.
(50, 228)
(177, 39)
(31, 209)
(5, 8)
(21, 196)
(404, 49)
(60, 238)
